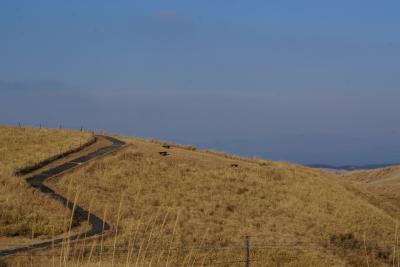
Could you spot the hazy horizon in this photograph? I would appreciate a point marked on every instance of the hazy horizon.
(305, 81)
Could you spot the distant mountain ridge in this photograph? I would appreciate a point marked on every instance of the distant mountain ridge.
(352, 167)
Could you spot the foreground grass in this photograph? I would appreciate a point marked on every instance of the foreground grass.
(25, 212)
(193, 208)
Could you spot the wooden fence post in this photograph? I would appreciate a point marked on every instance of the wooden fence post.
(247, 256)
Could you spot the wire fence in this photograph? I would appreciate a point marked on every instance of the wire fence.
(79, 127)
(246, 253)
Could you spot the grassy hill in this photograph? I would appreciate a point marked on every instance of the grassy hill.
(194, 208)
(295, 215)
(388, 175)
(384, 181)
(24, 212)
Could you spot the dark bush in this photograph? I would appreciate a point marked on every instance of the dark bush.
(347, 241)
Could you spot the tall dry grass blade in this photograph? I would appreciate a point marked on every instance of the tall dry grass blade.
(172, 239)
(69, 193)
(162, 251)
(102, 235)
(150, 236)
(52, 246)
(62, 248)
(160, 233)
(201, 244)
(61, 252)
(66, 255)
(143, 242)
(138, 256)
(134, 240)
(365, 250)
(91, 252)
(188, 257)
(395, 246)
(85, 236)
(151, 260)
(132, 243)
(116, 228)
(204, 259)
(129, 246)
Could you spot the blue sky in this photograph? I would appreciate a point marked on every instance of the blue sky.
(303, 81)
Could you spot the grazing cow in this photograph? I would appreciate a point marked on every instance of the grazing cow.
(163, 153)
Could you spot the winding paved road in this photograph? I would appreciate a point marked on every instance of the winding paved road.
(80, 214)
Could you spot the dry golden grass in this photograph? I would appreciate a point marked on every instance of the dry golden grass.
(22, 147)
(167, 207)
(24, 211)
(193, 208)
(388, 175)
(384, 182)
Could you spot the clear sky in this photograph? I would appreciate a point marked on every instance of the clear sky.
(304, 81)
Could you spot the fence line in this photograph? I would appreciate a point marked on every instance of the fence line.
(250, 251)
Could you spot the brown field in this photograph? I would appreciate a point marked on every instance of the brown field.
(22, 147)
(25, 213)
(384, 182)
(194, 208)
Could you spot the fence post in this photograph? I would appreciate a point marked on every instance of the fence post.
(247, 256)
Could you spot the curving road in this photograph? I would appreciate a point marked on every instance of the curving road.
(80, 214)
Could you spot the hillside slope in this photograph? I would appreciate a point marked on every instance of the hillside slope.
(384, 181)
(192, 207)
(25, 213)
